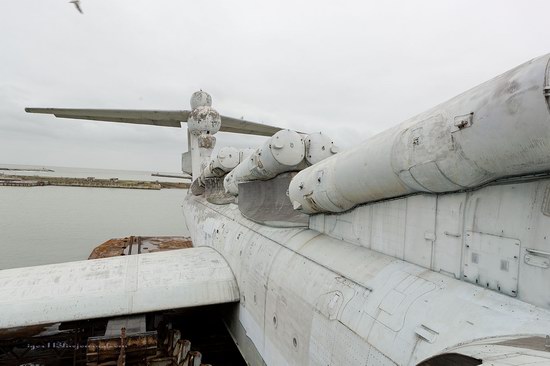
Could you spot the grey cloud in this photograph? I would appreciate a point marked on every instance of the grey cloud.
(350, 69)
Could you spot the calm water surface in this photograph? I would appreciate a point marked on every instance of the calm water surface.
(41, 225)
(85, 173)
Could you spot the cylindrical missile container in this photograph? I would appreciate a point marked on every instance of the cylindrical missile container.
(282, 152)
(225, 160)
(245, 154)
(318, 147)
(498, 129)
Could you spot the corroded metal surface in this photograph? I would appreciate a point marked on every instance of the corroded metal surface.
(196, 188)
(111, 248)
(207, 141)
(204, 120)
(127, 341)
(139, 244)
(215, 192)
(133, 347)
(266, 202)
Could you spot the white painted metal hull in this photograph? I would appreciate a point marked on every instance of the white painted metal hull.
(403, 278)
(311, 299)
(498, 129)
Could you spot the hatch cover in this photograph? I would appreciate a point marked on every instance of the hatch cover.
(492, 261)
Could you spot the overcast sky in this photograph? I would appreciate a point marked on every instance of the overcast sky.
(347, 68)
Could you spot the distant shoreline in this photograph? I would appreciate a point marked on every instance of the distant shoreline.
(27, 170)
(35, 181)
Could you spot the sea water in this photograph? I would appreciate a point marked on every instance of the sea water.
(42, 225)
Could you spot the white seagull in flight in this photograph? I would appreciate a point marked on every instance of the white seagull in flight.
(77, 4)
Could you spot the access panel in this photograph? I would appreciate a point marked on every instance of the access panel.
(492, 261)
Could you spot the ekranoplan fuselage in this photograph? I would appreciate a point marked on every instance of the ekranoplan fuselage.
(431, 238)
(427, 244)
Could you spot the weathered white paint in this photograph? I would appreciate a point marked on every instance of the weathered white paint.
(448, 233)
(497, 129)
(318, 147)
(226, 159)
(281, 153)
(384, 283)
(200, 99)
(114, 286)
(309, 299)
(202, 124)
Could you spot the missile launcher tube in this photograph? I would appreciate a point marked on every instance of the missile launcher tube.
(500, 128)
(225, 160)
(245, 154)
(280, 153)
(318, 147)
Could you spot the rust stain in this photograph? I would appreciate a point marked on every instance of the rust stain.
(139, 245)
(207, 141)
(111, 248)
(131, 342)
(103, 350)
(173, 244)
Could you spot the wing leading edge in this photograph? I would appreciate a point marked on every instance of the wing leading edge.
(115, 286)
(155, 118)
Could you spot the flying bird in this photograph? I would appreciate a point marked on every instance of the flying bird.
(77, 4)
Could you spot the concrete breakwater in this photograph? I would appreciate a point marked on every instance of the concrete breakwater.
(26, 169)
(20, 183)
(32, 181)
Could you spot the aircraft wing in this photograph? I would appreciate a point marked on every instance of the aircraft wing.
(115, 286)
(156, 118)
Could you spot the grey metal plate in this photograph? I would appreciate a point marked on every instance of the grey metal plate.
(267, 202)
(492, 261)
